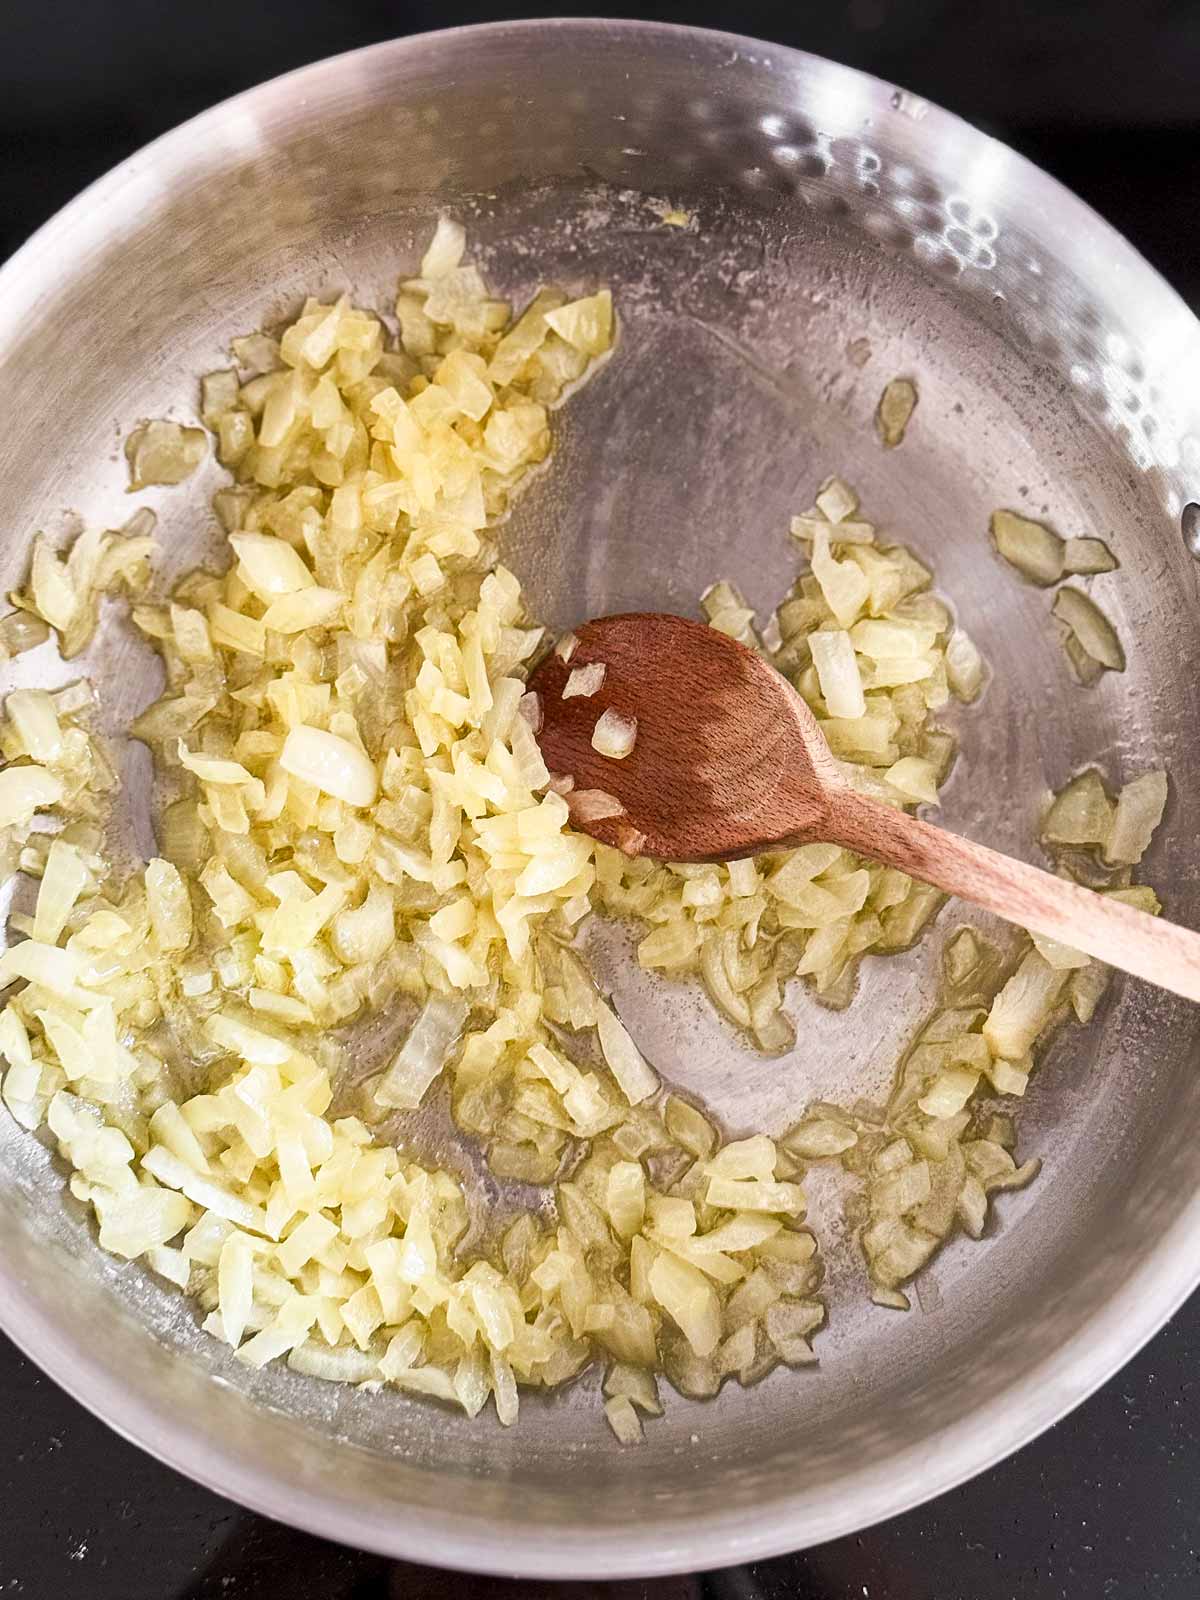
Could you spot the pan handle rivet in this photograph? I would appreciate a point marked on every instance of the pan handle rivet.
(1189, 524)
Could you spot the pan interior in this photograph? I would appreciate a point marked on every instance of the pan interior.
(837, 235)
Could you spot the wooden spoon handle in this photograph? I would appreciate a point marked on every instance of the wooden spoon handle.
(1134, 941)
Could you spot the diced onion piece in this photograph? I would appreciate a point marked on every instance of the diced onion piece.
(529, 708)
(592, 805)
(636, 1384)
(235, 1286)
(1035, 550)
(140, 1220)
(1140, 807)
(163, 453)
(819, 1138)
(625, 1197)
(584, 680)
(170, 906)
(914, 778)
(20, 632)
(894, 411)
(1063, 957)
(689, 1299)
(423, 1054)
(1023, 1007)
(587, 324)
(64, 879)
(566, 647)
(836, 500)
(636, 1079)
(964, 666)
(205, 1192)
(25, 790)
(1091, 628)
(445, 249)
(614, 735)
(331, 764)
(1088, 556)
(305, 608)
(949, 1092)
(753, 1194)
(1081, 814)
(346, 1364)
(1087, 988)
(270, 566)
(623, 1419)
(35, 719)
(844, 585)
(837, 672)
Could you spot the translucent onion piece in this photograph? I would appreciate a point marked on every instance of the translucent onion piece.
(1091, 628)
(584, 680)
(1087, 556)
(964, 666)
(1139, 811)
(270, 566)
(1081, 814)
(636, 1079)
(592, 805)
(26, 790)
(163, 453)
(1035, 550)
(894, 412)
(331, 764)
(838, 674)
(423, 1054)
(614, 735)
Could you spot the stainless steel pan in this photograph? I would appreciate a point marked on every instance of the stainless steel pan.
(1056, 371)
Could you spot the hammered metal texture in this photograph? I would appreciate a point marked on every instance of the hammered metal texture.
(841, 232)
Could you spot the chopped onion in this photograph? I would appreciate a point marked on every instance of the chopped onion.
(636, 1079)
(592, 805)
(163, 453)
(270, 566)
(623, 1419)
(688, 1298)
(423, 1054)
(894, 412)
(529, 708)
(964, 666)
(914, 779)
(1139, 811)
(1035, 550)
(614, 735)
(566, 647)
(331, 764)
(1087, 556)
(25, 790)
(1090, 627)
(584, 680)
(587, 324)
(836, 500)
(35, 720)
(844, 586)
(1023, 1007)
(837, 672)
(1081, 814)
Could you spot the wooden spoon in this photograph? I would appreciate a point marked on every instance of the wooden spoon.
(728, 760)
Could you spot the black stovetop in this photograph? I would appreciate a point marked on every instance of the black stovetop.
(1101, 1508)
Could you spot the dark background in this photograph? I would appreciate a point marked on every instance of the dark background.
(1106, 95)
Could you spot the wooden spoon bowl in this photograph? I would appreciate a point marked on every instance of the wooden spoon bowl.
(729, 761)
